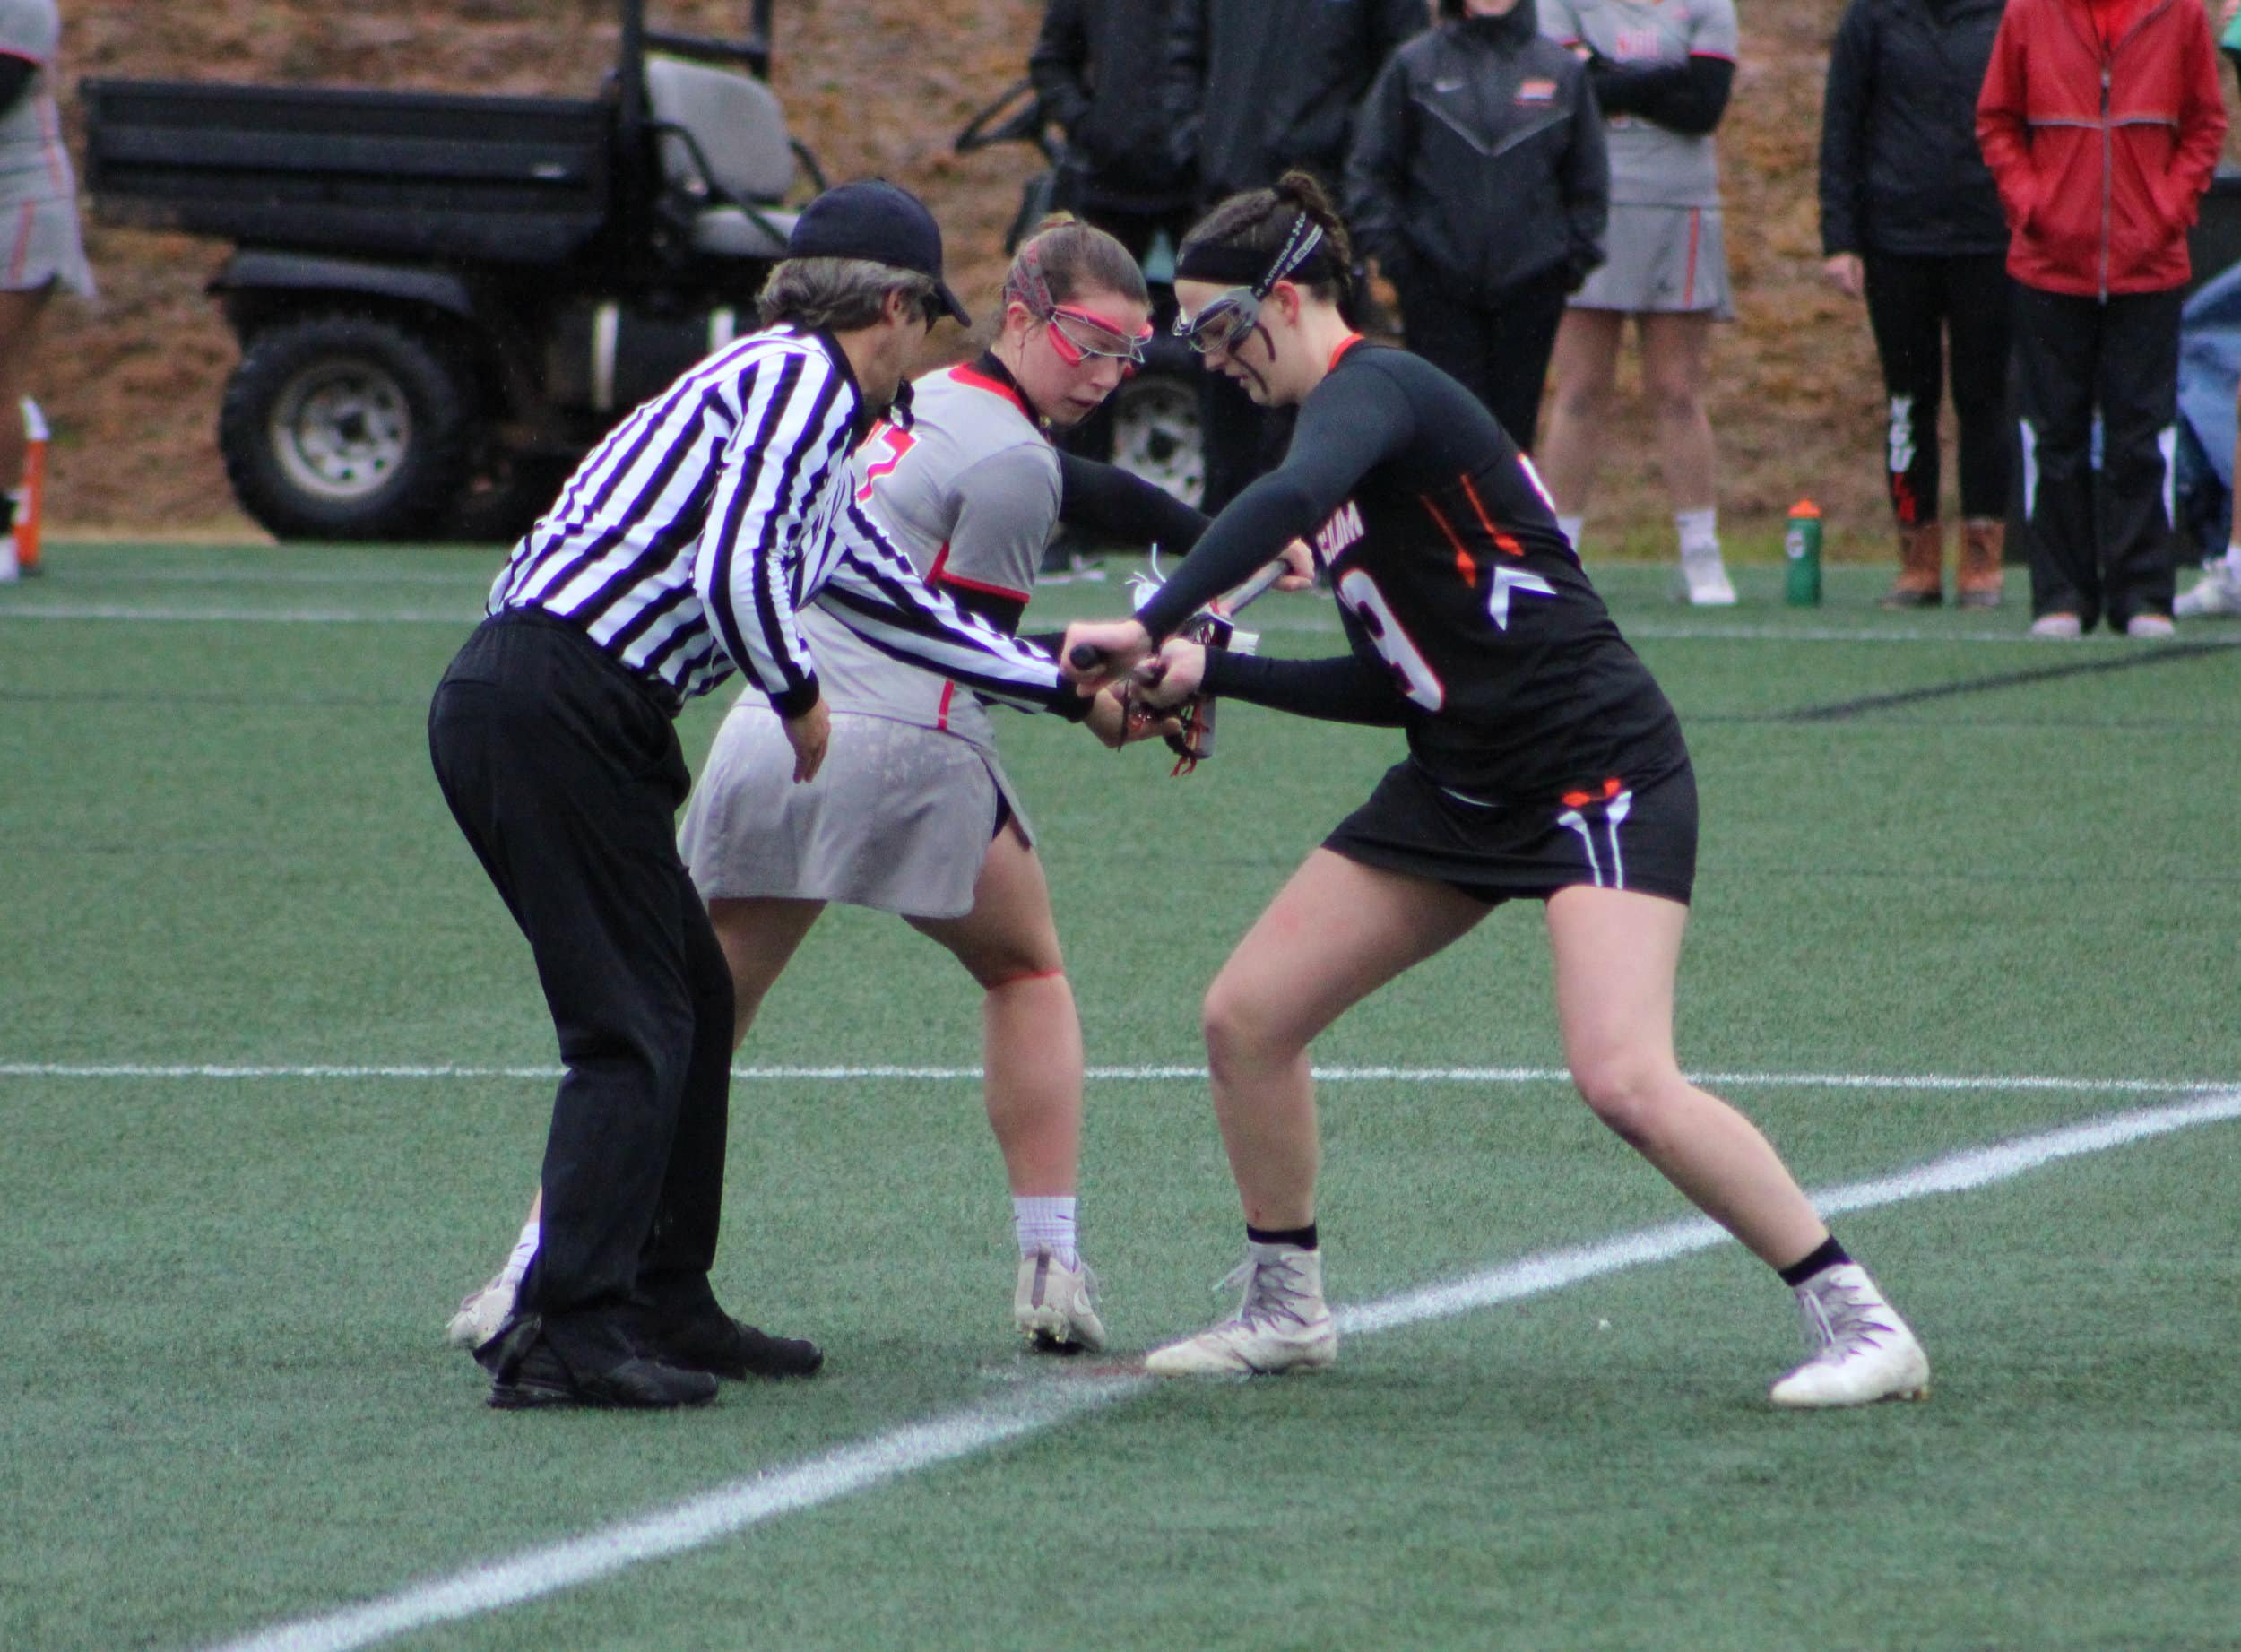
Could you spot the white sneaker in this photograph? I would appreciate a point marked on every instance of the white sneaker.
(482, 1314)
(1861, 1351)
(2154, 627)
(1281, 1325)
(2064, 626)
(1055, 1306)
(2216, 595)
(1704, 580)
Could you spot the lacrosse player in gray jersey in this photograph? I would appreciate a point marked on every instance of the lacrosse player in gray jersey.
(911, 812)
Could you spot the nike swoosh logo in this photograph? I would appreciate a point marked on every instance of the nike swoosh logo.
(1444, 86)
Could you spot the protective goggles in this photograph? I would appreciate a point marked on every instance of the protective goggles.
(1076, 335)
(1225, 321)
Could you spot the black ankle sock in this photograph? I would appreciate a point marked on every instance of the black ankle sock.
(1827, 1254)
(1298, 1238)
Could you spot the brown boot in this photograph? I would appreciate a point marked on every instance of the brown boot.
(1921, 567)
(1983, 539)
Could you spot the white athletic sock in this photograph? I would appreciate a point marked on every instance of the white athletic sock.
(524, 1248)
(1046, 1220)
(2233, 562)
(1699, 531)
(1570, 527)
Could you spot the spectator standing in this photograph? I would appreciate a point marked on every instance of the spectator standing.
(1661, 71)
(1098, 71)
(2218, 593)
(38, 196)
(1253, 89)
(2101, 121)
(1910, 218)
(1479, 182)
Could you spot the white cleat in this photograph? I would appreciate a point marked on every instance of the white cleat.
(1862, 1350)
(1056, 1306)
(1704, 580)
(1281, 1325)
(482, 1314)
(2216, 595)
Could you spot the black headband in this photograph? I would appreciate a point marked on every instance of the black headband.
(1236, 265)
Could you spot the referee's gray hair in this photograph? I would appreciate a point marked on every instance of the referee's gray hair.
(839, 295)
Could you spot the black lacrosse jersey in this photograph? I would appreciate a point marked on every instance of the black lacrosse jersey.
(1471, 621)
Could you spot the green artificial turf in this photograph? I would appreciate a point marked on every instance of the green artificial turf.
(235, 1208)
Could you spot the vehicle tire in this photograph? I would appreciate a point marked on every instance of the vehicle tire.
(344, 427)
(1156, 434)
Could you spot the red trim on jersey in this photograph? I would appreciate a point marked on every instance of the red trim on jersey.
(1715, 57)
(1345, 344)
(1580, 799)
(938, 575)
(1688, 281)
(1502, 541)
(964, 375)
(941, 717)
(1465, 564)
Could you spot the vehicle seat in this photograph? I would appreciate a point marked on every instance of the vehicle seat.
(724, 142)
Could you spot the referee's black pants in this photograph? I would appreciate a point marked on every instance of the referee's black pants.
(565, 772)
(2101, 539)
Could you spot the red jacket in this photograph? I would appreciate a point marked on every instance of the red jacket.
(2101, 152)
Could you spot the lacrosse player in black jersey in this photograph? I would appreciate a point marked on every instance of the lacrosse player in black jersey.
(1544, 763)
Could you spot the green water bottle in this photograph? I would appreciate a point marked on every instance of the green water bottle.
(1801, 550)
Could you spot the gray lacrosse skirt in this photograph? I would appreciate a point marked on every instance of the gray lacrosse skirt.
(40, 246)
(898, 818)
(1661, 258)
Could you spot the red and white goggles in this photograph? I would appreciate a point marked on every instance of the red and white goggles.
(1078, 334)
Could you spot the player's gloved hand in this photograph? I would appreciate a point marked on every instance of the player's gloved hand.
(1098, 650)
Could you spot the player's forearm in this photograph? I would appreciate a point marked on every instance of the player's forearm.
(1343, 689)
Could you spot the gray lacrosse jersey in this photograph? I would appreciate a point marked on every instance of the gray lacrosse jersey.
(969, 492)
(1651, 165)
(34, 166)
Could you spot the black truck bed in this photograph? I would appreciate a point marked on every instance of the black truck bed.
(483, 179)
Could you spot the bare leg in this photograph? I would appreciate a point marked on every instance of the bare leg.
(759, 938)
(1616, 953)
(1676, 355)
(1335, 933)
(1031, 1035)
(19, 331)
(1585, 364)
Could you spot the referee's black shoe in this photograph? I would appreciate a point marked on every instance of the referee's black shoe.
(712, 1341)
(529, 1372)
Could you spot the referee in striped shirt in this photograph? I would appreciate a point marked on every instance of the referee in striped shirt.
(682, 550)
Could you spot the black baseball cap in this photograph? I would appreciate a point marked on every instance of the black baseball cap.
(877, 221)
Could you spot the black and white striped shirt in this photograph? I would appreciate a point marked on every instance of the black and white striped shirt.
(685, 542)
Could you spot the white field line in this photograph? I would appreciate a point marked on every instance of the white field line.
(1326, 1074)
(1034, 1408)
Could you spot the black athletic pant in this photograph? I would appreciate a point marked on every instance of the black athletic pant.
(565, 772)
(1917, 306)
(2100, 542)
(1498, 348)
